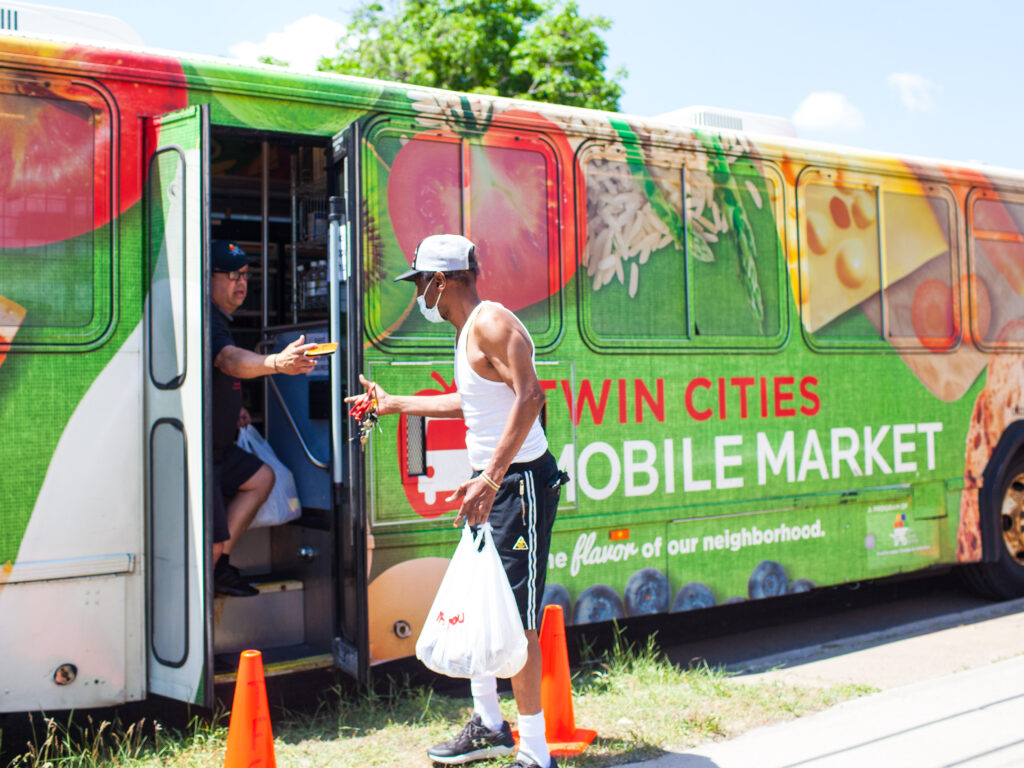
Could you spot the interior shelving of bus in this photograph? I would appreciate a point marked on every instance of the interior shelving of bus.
(268, 193)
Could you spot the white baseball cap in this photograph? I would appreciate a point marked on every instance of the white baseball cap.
(441, 253)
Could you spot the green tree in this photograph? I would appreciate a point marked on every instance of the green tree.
(541, 50)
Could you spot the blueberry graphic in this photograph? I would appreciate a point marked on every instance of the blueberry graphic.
(692, 597)
(734, 600)
(767, 580)
(597, 603)
(646, 592)
(556, 594)
(869, 541)
(801, 585)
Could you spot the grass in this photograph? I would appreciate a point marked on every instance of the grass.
(637, 701)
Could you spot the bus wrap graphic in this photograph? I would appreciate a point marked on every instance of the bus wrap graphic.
(768, 365)
(444, 457)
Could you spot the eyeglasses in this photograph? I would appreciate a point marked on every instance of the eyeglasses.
(235, 275)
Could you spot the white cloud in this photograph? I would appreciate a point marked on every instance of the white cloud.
(300, 43)
(828, 111)
(916, 92)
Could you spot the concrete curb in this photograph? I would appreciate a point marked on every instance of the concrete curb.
(965, 718)
(953, 694)
(855, 643)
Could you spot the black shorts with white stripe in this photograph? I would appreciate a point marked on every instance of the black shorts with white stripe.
(521, 518)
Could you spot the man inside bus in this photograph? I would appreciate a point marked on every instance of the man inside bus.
(516, 481)
(241, 482)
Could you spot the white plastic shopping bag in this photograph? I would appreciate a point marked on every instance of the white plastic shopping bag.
(283, 503)
(473, 628)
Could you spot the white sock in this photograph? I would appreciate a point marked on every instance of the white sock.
(485, 701)
(531, 739)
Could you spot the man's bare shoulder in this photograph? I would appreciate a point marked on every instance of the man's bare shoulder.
(494, 323)
(491, 313)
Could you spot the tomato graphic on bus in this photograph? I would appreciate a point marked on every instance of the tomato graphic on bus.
(502, 191)
(440, 459)
(56, 159)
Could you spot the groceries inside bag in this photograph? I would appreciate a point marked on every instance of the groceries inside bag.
(282, 505)
(473, 628)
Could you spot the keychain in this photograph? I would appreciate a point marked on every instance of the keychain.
(365, 412)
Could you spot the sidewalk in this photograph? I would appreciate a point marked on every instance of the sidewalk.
(958, 701)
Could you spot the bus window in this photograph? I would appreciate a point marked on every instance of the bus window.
(996, 282)
(413, 189)
(55, 239)
(876, 264)
(919, 298)
(499, 189)
(736, 289)
(513, 221)
(839, 251)
(632, 278)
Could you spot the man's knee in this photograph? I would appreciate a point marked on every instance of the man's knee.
(262, 481)
(265, 478)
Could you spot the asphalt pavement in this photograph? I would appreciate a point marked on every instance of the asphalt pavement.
(952, 695)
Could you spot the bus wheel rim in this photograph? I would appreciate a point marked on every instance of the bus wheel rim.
(1013, 519)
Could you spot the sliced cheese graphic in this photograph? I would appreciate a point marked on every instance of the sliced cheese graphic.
(840, 254)
(11, 315)
(840, 229)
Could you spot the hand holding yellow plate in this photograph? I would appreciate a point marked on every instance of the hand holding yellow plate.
(322, 349)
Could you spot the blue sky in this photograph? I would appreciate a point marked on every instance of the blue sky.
(935, 79)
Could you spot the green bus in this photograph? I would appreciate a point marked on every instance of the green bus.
(770, 365)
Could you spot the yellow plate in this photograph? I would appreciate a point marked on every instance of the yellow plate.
(322, 349)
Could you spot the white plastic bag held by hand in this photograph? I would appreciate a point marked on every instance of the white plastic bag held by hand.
(282, 505)
(473, 628)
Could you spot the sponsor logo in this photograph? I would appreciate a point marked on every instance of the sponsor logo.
(902, 535)
(520, 544)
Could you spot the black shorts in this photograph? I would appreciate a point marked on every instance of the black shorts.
(228, 476)
(522, 516)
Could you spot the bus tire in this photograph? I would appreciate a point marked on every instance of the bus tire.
(1001, 576)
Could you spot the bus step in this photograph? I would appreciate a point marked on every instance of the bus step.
(277, 661)
(272, 618)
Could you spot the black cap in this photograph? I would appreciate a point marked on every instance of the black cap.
(228, 256)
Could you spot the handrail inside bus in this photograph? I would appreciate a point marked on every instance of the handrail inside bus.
(295, 427)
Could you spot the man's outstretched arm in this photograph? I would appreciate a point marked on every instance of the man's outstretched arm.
(446, 406)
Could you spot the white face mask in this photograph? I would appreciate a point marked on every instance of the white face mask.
(433, 314)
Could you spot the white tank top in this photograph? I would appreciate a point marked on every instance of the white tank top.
(486, 406)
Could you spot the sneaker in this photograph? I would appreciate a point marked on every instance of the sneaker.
(474, 742)
(522, 761)
(228, 581)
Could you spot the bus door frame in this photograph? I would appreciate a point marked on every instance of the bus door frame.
(351, 647)
(177, 407)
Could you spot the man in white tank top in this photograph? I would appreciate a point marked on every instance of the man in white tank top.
(515, 483)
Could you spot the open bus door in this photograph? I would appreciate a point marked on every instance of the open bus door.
(352, 644)
(179, 637)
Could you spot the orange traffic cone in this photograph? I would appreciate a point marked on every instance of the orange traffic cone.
(563, 737)
(250, 741)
